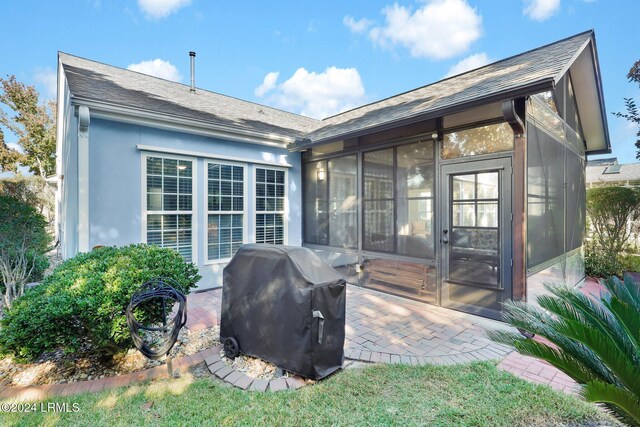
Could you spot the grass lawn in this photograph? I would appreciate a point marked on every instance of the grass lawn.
(475, 394)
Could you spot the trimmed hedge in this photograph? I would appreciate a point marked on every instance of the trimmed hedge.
(83, 301)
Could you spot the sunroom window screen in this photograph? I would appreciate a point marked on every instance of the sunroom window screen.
(399, 200)
(331, 204)
(379, 201)
(169, 204)
(556, 196)
(415, 199)
(545, 184)
(225, 206)
(316, 203)
(270, 197)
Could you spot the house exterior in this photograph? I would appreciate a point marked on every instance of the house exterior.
(608, 172)
(461, 193)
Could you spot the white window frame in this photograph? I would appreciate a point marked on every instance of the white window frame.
(284, 212)
(244, 212)
(194, 200)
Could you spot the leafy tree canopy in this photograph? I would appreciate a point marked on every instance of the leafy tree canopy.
(632, 113)
(32, 190)
(32, 123)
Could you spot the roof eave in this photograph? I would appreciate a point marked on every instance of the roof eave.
(596, 65)
(590, 44)
(601, 151)
(125, 114)
(529, 89)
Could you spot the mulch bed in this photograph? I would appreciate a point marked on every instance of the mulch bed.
(255, 367)
(60, 368)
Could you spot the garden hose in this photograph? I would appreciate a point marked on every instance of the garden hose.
(162, 288)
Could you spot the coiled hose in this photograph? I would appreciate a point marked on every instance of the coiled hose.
(166, 290)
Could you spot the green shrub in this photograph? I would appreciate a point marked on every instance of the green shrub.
(600, 263)
(630, 263)
(611, 210)
(23, 243)
(83, 301)
(596, 341)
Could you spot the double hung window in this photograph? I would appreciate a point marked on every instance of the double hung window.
(169, 204)
(270, 206)
(225, 210)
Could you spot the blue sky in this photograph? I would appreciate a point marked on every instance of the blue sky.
(316, 58)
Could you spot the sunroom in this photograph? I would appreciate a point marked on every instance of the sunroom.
(466, 192)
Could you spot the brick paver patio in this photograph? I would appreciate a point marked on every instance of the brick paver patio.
(379, 328)
(539, 372)
(203, 309)
(384, 328)
(388, 329)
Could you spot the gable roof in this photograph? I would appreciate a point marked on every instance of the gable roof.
(538, 70)
(621, 173)
(107, 85)
(531, 72)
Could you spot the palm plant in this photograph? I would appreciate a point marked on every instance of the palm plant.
(596, 341)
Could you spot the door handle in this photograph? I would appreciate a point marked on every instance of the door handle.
(445, 240)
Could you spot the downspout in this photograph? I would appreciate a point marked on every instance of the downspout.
(513, 111)
(510, 114)
(83, 179)
(60, 134)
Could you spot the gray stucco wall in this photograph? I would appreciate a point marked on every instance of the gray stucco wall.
(115, 181)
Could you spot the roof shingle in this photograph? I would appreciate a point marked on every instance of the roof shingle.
(92, 80)
(627, 172)
(544, 63)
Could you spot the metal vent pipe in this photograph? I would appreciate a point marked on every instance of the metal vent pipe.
(192, 55)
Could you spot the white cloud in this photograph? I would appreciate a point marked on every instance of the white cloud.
(314, 94)
(359, 26)
(472, 62)
(439, 29)
(540, 10)
(158, 9)
(47, 78)
(268, 84)
(158, 68)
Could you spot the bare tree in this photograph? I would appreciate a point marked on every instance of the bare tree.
(23, 244)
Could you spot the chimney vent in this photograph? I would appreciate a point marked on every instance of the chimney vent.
(192, 55)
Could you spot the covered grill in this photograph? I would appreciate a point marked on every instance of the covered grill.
(287, 306)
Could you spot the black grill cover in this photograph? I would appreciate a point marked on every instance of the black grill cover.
(269, 298)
